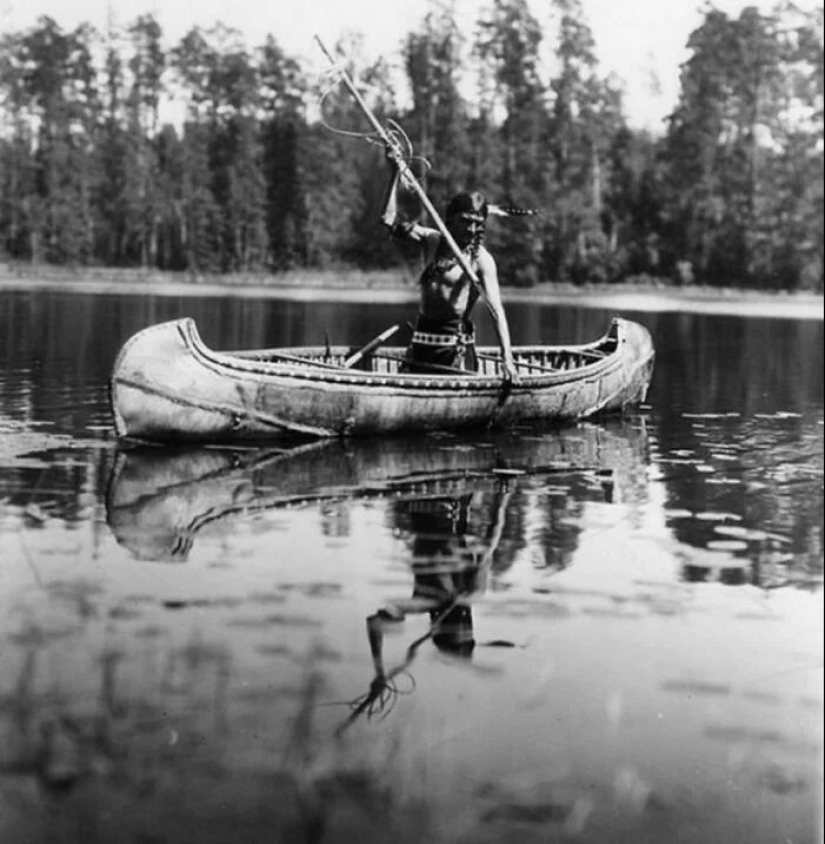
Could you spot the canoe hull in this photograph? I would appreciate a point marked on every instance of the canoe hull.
(168, 385)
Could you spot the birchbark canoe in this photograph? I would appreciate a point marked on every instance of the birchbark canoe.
(167, 385)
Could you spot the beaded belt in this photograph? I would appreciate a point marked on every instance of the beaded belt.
(423, 338)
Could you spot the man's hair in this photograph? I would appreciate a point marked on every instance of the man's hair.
(467, 202)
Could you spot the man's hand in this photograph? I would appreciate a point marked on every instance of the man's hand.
(394, 155)
(508, 367)
(397, 160)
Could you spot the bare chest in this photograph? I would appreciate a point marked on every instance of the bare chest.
(445, 284)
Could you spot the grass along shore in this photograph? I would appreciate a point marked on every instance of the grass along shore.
(399, 285)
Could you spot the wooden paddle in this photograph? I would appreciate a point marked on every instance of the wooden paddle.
(275, 354)
(371, 346)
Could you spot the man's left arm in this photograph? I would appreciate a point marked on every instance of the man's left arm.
(488, 276)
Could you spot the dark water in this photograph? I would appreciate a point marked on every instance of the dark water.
(611, 632)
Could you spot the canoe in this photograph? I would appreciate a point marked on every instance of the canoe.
(159, 500)
(168, 385)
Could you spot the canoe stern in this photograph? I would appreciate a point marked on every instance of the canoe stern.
(164, 388)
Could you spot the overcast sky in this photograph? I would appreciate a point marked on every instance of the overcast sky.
(642, 41)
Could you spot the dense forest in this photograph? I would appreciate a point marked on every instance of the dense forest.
(117, 150)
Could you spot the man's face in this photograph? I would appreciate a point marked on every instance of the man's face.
(465, 227)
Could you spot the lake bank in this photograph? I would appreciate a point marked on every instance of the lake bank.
(398, 286)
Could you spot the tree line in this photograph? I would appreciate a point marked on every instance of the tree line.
(209, 157)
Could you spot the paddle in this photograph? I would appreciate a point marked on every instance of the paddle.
(347, 364)
(371, 346)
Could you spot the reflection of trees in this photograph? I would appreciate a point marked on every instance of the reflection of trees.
(555, 511)
(762, 462)
(57, 483)
(722, 364)
(771, 478)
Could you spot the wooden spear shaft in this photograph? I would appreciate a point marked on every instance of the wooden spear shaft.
(406, 172)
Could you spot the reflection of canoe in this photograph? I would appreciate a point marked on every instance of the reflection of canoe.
(168, 385)
(159, 498)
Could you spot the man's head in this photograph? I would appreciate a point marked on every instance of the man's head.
(467, 217)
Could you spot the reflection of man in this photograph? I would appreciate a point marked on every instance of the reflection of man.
(446, 567)
(450, 561)
(453, 539)
(450, 564)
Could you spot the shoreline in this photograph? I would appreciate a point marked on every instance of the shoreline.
(397, 286)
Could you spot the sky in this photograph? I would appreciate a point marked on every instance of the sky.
(641, 41)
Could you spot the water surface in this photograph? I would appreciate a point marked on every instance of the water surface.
(609, 632)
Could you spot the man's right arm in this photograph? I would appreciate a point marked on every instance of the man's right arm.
(390, 218)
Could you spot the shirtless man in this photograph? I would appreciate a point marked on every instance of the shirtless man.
(443, 334)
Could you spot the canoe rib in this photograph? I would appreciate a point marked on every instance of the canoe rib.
(167, 384)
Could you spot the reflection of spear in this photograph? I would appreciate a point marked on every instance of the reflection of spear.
(383, 691)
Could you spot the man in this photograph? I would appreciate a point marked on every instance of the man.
(444, 335)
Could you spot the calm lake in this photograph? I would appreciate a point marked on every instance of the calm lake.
(606, 633)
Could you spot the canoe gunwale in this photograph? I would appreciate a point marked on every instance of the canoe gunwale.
(244, 365)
